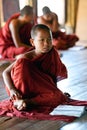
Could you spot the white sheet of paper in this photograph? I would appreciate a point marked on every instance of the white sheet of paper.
(68, 110)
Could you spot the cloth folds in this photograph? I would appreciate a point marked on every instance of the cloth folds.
(36, 80)
(7, 47)
(63, 41)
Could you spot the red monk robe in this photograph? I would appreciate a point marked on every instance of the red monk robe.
(36, 79)
(63, 41)
(7, 47)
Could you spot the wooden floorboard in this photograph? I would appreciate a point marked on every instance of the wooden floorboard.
(75, 84)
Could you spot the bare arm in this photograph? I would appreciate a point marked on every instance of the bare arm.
(41, 20)
(7, 77)
(55, 23)
(14, 28)
(9, 83)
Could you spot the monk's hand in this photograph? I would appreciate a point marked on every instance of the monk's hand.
(20, 104)
(14, 94)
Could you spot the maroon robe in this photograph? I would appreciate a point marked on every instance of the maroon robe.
(36, 80)
(7, 46)
(63, 41)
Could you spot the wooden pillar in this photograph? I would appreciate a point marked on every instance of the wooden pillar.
(0, 15)
(2, 22)
(71, 14)
(34, 4)
(35, 7)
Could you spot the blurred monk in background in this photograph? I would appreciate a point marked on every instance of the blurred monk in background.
(61, 40)
(31, 81)
(15, 35)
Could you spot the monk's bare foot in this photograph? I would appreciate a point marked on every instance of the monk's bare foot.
(67, 94)
(20, 104)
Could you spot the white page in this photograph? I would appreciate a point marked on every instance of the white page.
(68, 110)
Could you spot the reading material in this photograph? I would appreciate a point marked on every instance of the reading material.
(68, 110)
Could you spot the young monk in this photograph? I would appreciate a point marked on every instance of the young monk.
(15, 35)
(61, 40)
(31, 81)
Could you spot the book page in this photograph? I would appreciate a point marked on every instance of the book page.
(68, 110)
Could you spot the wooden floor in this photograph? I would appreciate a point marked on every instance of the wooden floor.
(76, 85)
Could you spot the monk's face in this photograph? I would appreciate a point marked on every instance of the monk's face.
(43, 41)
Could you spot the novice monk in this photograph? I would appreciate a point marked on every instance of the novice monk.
(60, 39)
(31, 79)
(15, 35)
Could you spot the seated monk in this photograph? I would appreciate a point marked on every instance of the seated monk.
(61, 40)
(15, 34)
(31, 81)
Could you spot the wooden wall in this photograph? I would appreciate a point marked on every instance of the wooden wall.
(12, 6)
(81, 25)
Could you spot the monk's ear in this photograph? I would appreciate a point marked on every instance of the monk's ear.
(32, 41)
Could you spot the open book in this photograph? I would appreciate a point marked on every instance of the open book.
(68, 110)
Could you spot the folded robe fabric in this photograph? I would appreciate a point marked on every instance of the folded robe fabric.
(63, 41)
(36, 80)
(7, 46)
